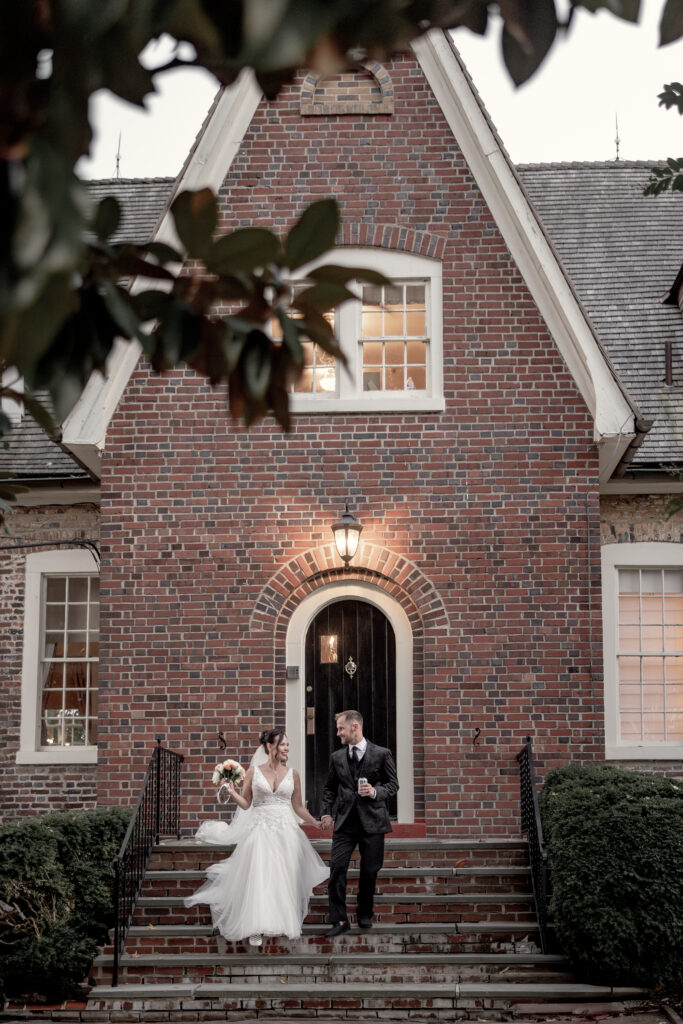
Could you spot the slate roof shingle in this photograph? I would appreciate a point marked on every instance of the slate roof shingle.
(622, 252)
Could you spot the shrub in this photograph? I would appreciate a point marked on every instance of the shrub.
(615, 842)
(56, 883)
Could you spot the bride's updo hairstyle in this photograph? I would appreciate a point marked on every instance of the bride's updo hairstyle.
(272, 736)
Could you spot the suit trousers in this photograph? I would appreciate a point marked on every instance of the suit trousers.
(371, 848)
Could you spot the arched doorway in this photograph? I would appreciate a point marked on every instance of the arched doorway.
(297, 631)
(350, 663)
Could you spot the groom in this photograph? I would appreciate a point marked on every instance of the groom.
(361, 817)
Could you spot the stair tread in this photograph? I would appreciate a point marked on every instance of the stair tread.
(427, 927)
(430, 898)
(475, 843)
(316, 959)
(372, 990)
(387, 871)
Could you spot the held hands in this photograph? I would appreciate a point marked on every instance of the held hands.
(326, 822)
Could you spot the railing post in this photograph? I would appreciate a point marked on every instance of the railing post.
(157, 829)
(117, 925)
(531, 825)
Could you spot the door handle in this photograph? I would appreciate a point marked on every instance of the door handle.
(310, 721)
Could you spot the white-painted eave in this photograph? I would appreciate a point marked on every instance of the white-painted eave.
(613, 414)
(84, 430)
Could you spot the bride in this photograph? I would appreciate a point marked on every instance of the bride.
(264, 887)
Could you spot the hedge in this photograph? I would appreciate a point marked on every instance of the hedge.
(615, 844)
(56, 886)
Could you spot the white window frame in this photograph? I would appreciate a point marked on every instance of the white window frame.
(64, 563)
(349, 396)
(629, 556)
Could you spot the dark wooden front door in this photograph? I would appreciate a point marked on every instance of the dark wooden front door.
(350, 663)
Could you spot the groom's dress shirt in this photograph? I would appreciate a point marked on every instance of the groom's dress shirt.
(360, 748)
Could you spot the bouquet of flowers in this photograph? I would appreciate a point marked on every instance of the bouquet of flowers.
(227, 771)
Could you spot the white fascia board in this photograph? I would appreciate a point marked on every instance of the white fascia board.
(613, 415)
(85, 428)
(79, 494)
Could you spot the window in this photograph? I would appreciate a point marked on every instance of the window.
(391, 339)
(643, 614)
(60, 660)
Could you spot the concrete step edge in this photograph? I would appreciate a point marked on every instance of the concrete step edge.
(388, 871)
(374, 990)
(505, 843)
(430, 899)
(427, 928)
(332, 959)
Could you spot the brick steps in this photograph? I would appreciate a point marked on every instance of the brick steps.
(454, 933)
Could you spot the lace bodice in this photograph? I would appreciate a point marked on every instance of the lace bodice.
(272, 808)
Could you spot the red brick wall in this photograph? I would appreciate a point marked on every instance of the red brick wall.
(494, 501)
(33, 789)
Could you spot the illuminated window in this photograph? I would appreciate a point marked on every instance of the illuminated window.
(69, 661)
(394, 337)
(643, 634)
(650, 655)
(319, 373)
(391, 337)
(60, 659)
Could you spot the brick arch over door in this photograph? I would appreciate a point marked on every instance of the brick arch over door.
(387, 579)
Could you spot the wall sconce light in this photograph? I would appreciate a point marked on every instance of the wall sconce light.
(347, 531)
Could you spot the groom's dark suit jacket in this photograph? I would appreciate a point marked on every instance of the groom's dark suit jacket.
(340, 794)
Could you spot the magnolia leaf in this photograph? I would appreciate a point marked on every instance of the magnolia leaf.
(162, 252)
(150, 305)
(290, 336)
(527, 36)
(331, 274)
(629, 10)
(131, 265)
(313, 234)
(671, 24)
(210, 358)
(255, 364)
(322, 297)
(196, 216)
(121, 310)
(107, 218)
(243, 251)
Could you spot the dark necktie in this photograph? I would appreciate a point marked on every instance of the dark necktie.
(355, 762)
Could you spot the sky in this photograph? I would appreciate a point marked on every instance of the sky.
(605, 70)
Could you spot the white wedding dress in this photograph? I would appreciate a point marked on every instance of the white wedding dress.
(264, 887)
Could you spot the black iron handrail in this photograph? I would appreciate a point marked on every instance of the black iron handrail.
(531, 825)
(156, 813)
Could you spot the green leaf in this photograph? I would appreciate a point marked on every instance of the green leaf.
(243, 250)
(331, 274)
(107, 218)
(255, 364)
(290, 336)
(671, 24)
(672, 96)
(162, 252)
(528, 34)
(196, 216)
(121, 310)
(150, 305)
(129, 264)
(323, 297)
(313, 234)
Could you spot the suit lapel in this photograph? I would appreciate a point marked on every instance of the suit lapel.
(343, 756)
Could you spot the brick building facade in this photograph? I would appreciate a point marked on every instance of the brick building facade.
(478, 487)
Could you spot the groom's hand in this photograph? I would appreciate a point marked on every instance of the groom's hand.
(326, 821)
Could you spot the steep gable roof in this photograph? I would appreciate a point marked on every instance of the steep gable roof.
(622, 251)
(613, 413)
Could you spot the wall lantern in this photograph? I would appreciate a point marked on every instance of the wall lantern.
(347, 531)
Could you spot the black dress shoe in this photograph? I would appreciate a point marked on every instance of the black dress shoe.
(364, 922)
(338, 929)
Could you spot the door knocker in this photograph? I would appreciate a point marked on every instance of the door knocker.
(350, 668)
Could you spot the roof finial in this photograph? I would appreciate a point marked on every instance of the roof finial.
(118, 156)
(617, 140)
